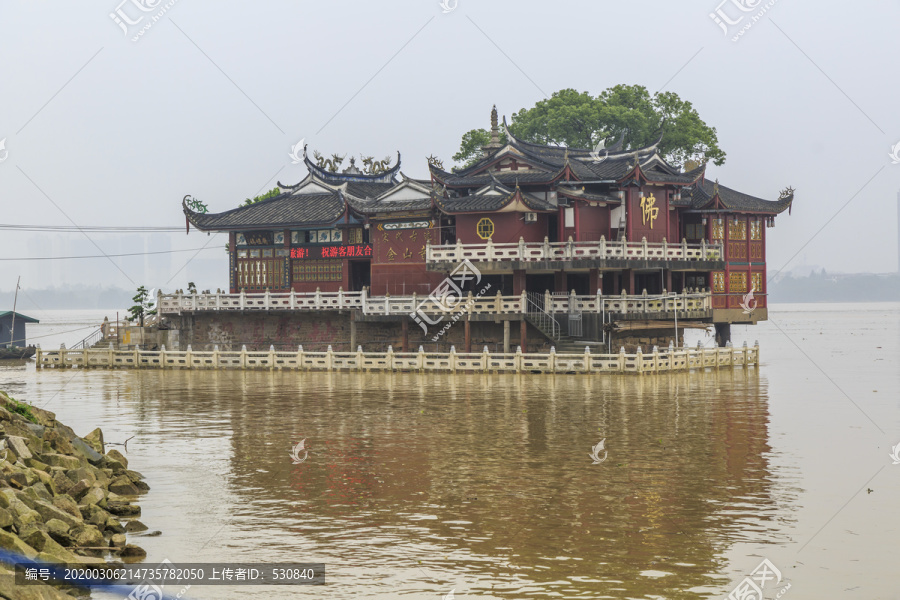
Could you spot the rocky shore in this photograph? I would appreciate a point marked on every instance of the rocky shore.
(63, 498)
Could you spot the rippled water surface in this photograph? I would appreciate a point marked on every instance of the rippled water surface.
(417, 485)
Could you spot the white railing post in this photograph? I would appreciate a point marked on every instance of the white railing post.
(703, 249)
(624, 302)
(293, 300)
(359, 358)
(389, 359)
(644, 253)
(523, 302)
(318, 298)
(602, 246)
(453, 359)
(329, 359)
(243, 356)
(684, 249)
(162, 356)
(570, 248)
(545, 251)
(665, 249)
(489, 250)
(420, 359)
(521, 248)
(341, 297)
(243, 299)
(587, 360)
(458, 251)
(387, 303)
(300, 357)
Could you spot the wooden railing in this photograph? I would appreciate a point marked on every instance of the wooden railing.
(670, 359)
(571, 250)
(176, 304)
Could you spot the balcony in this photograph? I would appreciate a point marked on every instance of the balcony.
(687, 305)
(559, 255)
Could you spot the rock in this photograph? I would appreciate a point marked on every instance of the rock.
(123, 509)
(27, 496)
(82, 473)
(9, 589)
(133, 476)
(95, 439)
(12, 543)
(36, 464)
(142, 487)
(17, 480)
(86, 450)
(132, 553)
(113, 524)
(50, 550)
(41, 490)
(118, 457)
(35, 429)
(87, 535)
(59, 531)
(94, 495)
(24, 516)
(48, 511)
(62, 483)
(78, 489)
(123, 487)
(95, 515)
(118, 540)
(67, 503)
(45, 479)
(135, 526)
(61, 460)
(6, 518)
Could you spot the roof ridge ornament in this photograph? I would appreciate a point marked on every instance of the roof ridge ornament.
(786, 193)
(435, 162)
(716, 187)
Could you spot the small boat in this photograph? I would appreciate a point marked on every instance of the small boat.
(16, 353)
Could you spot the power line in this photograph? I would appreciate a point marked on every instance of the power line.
(92, 228)
(111, 255)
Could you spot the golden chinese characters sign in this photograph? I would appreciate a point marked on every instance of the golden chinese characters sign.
(649, 210)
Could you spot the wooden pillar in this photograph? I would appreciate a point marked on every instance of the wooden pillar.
(723, 334)
(559, 284)
(405, 327)
(523, 340)
(518, 281)
(468, 334)
(596, 282)
(506, 336)
(629, 284)
(669, 280)
(616, 282)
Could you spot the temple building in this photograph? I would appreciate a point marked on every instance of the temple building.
(618, 229)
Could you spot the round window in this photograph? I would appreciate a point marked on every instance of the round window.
(485, 229)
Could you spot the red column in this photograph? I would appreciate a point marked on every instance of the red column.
(595, 281)
(630, 282)
(669, 280)
(559, 283)
(523, 340)
(405, 328)
(518, 281)
(468, 335)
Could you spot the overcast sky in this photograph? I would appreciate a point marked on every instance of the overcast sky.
(103, 130)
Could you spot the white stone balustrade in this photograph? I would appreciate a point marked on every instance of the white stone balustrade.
(670, 359)
(176, 304)
(568, 251)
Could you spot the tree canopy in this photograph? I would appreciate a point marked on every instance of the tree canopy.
(270, 194)
(579, 120)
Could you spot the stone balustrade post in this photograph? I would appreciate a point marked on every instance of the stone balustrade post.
(329, 359)
(499, 302)
(243, 299)
(703, 249)
(602, 246)
(644, 251)
(453, 359)
(243, 356)
(318, 297)
(518, 359)
(545, 250)
(341, 297)
(458, 255)
(359, 358)
(485, 359)
(420, 359)
(621, 359)
(489, 250)
(570, 248)
(587, 360)
(389, 358)
(639, 360)
(162, 356)
(523, 302)
(684, 249)
(521, 248)
(665, 249)
(624, 302)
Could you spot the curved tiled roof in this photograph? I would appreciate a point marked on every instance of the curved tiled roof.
(702, 194)
(283, 210)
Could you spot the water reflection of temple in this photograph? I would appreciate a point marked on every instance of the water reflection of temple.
(494, 471)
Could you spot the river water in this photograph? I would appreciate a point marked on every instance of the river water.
(416, 485)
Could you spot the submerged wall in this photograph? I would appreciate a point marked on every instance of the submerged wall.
(317, 330)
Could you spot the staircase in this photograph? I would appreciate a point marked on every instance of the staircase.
(104, 345)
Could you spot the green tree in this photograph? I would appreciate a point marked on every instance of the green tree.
(578, 120)
(470, 147)
(143, 306)
(270, 194)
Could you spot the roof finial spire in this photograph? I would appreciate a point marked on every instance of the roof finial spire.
(494, 144)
